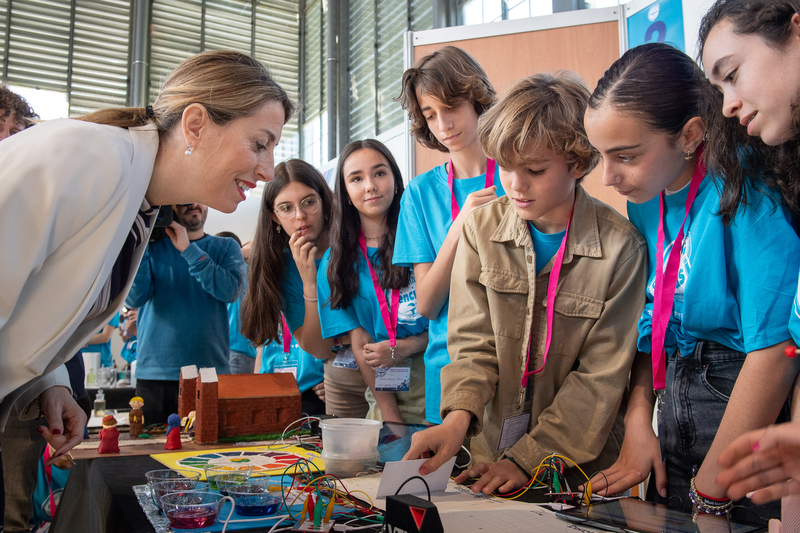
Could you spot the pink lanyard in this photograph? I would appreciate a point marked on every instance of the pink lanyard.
(48, 472)
(664, 293)
(287, 337)
(454, 209)
(552, 288)
(389, 319)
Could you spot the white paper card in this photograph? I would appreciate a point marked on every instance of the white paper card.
(396, 472)
(513, 428)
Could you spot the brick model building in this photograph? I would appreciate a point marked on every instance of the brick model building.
(231, 405)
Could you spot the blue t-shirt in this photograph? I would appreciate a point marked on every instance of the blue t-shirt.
(183, 305)
(425, 218)
(239, 343)
(545, 245)
(794, 319)
(309, 370)
(364, 310)
(735, 283)
(105, 348)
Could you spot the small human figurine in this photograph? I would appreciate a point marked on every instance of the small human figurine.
(173, 433)
(136, 417)
(109, 436)
(188, 423)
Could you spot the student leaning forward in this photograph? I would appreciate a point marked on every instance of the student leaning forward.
(547, 287)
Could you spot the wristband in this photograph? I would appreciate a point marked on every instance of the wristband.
(707, 504)
(306, 298)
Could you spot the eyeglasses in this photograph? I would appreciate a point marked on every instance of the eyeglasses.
(308, 206)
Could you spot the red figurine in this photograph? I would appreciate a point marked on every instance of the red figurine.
(173, 433)
(109, 436)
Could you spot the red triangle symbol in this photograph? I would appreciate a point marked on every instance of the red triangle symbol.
(417, 514)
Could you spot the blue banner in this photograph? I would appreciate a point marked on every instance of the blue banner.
(660, 22)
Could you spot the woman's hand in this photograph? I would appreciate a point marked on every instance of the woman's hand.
(65, 418)
(502, 476)
(303, 253)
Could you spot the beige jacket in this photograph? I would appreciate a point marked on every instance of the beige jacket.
(601, 294)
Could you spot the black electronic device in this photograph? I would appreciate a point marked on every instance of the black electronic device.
(632, 515)
(163, 220)
(409, 514)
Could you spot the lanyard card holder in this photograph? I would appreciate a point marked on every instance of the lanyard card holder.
(287, 366)
(344, 358)
(394, 378)
(516, 419)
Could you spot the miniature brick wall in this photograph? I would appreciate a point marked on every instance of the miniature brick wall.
(242, 404)
(206, 425)
(252, 416)
(186, 396)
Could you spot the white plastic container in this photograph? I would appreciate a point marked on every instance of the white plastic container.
(346, 465)
(352, 437)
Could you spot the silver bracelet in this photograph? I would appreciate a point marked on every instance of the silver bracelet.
(391, 351)
(306, 298)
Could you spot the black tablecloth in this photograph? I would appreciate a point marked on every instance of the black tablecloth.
(98, 497)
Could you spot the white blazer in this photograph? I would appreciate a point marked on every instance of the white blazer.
(69, 194)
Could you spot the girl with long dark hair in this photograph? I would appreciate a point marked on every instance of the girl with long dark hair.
(713, 332)
(751, 53)
(362, 293)
(291, 237)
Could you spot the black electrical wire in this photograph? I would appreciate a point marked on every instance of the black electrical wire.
(427, 488)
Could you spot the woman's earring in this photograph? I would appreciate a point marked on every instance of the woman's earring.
(395, 190)
(349, 201)
(279, 228)
(188, 150)
(688, 155)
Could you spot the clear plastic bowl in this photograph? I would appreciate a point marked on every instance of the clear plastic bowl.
(346, 465)
(255, 499)
(213, 471)
(169, 474)
(162, 488)
(192, 509)
(226, 482)
(356, 437)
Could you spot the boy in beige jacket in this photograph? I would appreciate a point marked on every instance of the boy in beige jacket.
(525, 383)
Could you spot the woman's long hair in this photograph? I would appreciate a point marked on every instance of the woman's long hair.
(345, 231)
(228, 84)
(261, 306)
(728, 141)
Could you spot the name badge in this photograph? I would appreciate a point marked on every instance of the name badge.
(288, 367)
(345, 359)
(515, 424)
(393, 378)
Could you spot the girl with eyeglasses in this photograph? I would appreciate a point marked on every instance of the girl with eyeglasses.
(360, 291)
(280, 306)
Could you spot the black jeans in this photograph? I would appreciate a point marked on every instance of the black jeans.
(699, 386)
